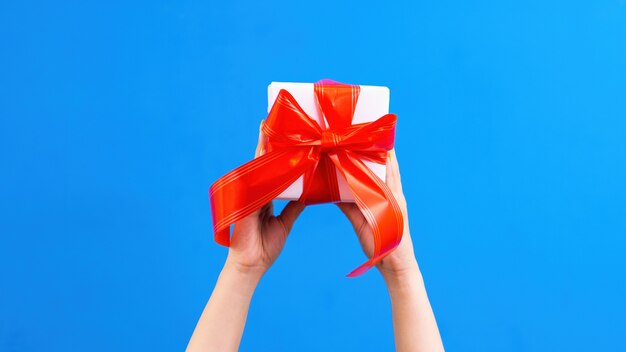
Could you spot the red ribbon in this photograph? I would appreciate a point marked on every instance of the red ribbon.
(296, 146)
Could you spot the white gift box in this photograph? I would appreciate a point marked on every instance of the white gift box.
(373, 103)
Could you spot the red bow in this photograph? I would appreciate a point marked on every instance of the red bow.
(298, 146)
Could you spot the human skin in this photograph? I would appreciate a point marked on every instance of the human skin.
(259, 238)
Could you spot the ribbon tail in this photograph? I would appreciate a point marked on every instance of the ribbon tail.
(254, 184)
(376, 202)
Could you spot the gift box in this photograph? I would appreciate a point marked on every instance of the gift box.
(325, 142)
(372, 103)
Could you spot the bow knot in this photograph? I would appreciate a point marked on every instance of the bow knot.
(330, 140)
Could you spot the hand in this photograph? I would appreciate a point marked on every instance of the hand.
(402, 259)
(259, 238)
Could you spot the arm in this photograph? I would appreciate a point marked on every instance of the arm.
(256, 243)
(221, 325)
(415, 328)
(414, 325)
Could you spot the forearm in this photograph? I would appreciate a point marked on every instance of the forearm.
(415, 328)
(222, 322)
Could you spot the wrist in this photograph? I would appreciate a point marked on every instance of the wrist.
(245, 277)
(403, 276)
(244, 265)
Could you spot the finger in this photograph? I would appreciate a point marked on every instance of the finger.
(260, 150)
(261, 214)
(255, 219)
(289, 215)
(266, 211)
(353, 214)
(351, 211)
(391, 178)
(260, 147)
(396, 165)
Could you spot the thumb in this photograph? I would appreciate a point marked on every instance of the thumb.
(289, 215)
(352, 212)
(359, 223)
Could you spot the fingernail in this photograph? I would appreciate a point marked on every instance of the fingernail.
(390, 155)
(261, 125)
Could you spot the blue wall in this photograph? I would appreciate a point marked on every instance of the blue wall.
(117, 117)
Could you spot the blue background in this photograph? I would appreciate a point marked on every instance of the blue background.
(117, 116)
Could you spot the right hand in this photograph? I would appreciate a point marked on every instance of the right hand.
(401, 259)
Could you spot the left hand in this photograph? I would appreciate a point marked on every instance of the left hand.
(259, 238)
